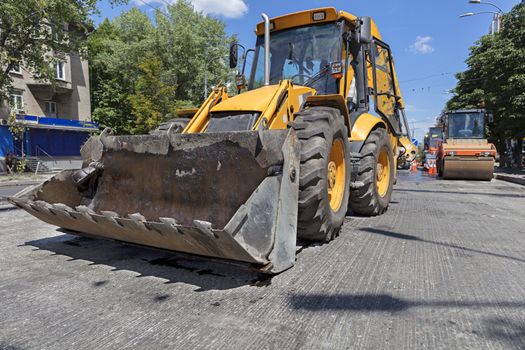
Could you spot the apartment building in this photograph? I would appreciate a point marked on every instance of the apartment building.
(56, 116)
(68, 98)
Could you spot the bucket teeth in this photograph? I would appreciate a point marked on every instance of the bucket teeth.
(42, 207)
(86, 212)
(112, 217)
(137, 217)
(26, 205)
(169, 221)
(138, 220)
(204, 227)
(170, 224)
(63, 210)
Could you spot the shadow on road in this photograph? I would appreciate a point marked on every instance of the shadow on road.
(507, 331)
(385, 302)
(404, 236)
(6, 346)
(206, 274)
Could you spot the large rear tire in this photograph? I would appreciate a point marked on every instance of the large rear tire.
(324, 184)
(376, 173)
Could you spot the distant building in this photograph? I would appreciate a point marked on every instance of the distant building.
(57, 116)
(68, 99)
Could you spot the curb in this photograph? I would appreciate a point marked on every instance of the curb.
(513, 179)
(19, 183)
(5, 205)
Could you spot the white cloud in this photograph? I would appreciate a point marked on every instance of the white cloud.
(422, 45)
(225, 8)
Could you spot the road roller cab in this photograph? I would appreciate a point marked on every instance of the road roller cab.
(464, 152)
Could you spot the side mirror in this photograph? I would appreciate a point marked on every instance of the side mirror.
(490, 118)
(365, 30)
(234, 54)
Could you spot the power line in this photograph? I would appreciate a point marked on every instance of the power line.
(157, 9)
(429, 87)
(427, 77)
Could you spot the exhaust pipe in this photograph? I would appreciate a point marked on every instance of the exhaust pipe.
(266, 49)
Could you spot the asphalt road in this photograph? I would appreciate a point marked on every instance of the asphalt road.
(6, 191)
(444, 268)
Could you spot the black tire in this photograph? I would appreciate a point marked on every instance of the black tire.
(366, 200)
(178, 125)
(318, 129)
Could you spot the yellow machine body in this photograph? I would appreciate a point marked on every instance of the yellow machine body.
(226, 194)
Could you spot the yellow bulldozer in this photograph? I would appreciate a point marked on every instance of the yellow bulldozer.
(315, 132)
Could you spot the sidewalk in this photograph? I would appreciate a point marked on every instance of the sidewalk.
(516, 176)
(24, 179)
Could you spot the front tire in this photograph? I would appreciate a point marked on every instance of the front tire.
(324, 186)
(377, 173)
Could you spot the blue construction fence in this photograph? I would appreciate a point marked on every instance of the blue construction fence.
(46, 137)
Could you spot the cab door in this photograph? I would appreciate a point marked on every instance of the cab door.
(385, 93)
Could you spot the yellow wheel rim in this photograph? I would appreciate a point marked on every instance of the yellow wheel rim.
(383, 172)
(336, 175)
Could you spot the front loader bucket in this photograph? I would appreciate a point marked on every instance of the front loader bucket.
(226, 195)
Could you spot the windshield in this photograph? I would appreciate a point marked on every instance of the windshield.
(302, 55)
(434, 136)
(466, 125)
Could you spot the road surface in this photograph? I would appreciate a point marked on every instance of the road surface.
(6, 191)
(444, 268)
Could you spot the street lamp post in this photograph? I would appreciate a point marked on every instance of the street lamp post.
(496, 20)
(496, 16)
(486, 3)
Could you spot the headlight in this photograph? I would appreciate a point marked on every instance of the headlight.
(452, 153)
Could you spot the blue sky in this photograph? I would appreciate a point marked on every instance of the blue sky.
(428, 39)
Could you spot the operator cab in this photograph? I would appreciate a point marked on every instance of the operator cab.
(303, 55)
(465, 125)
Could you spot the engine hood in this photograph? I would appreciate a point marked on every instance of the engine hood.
(255, 100)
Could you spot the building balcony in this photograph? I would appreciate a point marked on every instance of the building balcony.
(46, 91)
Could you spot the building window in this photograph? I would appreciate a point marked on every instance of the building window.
(17, 101)
(60, 68)
(16, 69)
(50, 109)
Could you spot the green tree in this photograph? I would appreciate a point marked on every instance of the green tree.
(34, 33)
(172, 54)
(495, 79)
(116, 49)
(153, 100)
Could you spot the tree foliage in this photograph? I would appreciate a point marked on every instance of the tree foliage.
(495, 78)
(153, 99)
(34, 33)
(143, 69)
